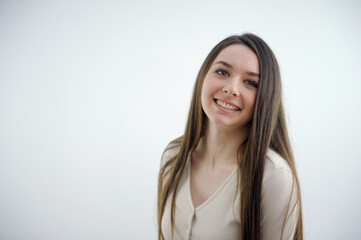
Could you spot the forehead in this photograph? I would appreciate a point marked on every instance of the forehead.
(240, 57)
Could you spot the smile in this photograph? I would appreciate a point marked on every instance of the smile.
(226, 105)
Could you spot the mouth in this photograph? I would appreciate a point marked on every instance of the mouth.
(226, 105)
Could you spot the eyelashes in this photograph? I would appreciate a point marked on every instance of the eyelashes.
(251, 83)
(224, 73)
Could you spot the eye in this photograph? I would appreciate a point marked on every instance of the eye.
(222, 72)
(251, 83)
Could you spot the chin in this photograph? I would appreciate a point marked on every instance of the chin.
(225, 124)
(230, 124)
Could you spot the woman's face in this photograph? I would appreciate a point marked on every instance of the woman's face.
(230, 87)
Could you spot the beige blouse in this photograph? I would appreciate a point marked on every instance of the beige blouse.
(218, 217)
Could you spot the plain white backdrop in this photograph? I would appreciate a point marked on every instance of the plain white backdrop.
(91, 92)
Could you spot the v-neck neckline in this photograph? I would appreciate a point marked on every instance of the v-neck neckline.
(213, 195)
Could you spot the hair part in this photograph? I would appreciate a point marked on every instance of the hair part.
(268, 130)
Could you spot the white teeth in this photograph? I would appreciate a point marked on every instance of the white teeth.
(226, 105)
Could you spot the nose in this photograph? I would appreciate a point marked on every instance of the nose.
(232, 87)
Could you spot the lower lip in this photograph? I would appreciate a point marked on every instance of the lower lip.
(223, 108)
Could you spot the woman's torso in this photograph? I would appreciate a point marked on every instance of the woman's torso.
(218, 217)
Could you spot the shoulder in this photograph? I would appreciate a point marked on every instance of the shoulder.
(276, 162)
(170, 151)
(278, 184)
(277, 168)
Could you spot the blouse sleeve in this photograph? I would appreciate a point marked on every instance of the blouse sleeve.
(279, 204)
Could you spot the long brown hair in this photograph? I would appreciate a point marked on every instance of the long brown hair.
(268, 130)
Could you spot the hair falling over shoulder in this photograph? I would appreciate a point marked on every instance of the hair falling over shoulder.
(268, 130)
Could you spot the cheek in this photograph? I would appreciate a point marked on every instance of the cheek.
(207, 95)
(206, 90)
(203, 96)
(250, 100)
(210, 86)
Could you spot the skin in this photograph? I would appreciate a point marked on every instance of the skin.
(232, 78)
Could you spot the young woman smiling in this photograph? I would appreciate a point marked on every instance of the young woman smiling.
(232, 174)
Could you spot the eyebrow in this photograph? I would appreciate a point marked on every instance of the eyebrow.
(254, 74)
(230, 66)
(225, 64)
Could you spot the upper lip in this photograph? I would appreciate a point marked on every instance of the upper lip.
(230, 103)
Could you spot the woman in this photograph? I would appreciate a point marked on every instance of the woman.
(232, 174)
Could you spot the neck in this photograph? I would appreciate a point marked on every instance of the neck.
(219, 145)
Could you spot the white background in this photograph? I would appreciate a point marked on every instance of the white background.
(92, 91)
